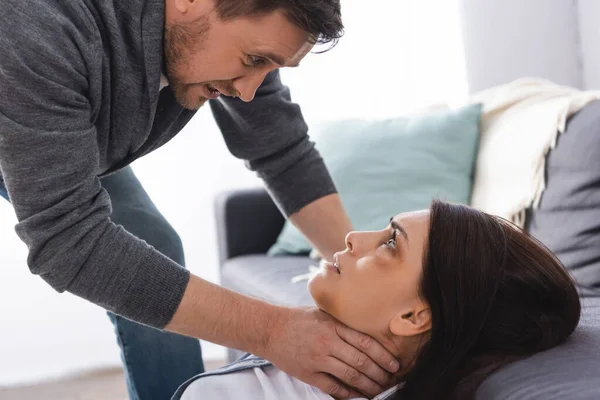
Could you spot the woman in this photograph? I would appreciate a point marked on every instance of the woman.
(452, 292)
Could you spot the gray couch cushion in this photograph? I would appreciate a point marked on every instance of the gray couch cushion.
(567, 372)
(568, 217)
(269, 278)
(568, 222)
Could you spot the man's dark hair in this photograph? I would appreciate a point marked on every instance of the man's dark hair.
(322, 19)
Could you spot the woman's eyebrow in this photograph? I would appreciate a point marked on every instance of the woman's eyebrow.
(396, 226)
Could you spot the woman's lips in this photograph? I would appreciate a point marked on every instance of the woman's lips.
(336, 263)
(333, 267)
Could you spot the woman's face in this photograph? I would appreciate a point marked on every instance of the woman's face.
(378, 278)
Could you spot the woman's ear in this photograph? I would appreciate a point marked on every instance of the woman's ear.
(411, 322)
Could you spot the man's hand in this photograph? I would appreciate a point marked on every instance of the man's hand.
(304, 342)
(317, 349)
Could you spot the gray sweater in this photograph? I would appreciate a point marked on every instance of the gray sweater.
(79, 99)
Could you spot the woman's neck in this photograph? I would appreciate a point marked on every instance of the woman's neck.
(404, 348)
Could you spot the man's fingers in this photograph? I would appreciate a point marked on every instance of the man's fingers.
(333, 387)
(369, 346)
(351, 377)
(362, 363)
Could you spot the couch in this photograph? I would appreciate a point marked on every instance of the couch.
(567, 220)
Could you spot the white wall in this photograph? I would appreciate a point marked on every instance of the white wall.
(589, 36)
(508, 39)
(397, 56)
(552, 39)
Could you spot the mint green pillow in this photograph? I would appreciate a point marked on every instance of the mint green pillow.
(384, 167)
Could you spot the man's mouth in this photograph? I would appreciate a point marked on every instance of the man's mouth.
(336, 264)
(210, 92)
(226, 90)
(213, 90)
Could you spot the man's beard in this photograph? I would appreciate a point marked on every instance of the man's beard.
(179, 41)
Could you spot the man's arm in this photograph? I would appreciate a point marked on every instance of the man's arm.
(325, 223)
(270, 134)
(49, 159)
(222, 316)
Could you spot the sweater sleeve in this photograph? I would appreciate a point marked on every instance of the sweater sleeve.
(270, 134)
(49, 160)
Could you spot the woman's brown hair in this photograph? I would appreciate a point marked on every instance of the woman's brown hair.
(496, 295)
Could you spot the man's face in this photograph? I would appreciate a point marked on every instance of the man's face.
(206, 57)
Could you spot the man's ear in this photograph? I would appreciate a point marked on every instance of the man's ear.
(411, 322)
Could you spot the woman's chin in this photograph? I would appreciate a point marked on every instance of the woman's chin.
(313, 285)
(316, 286)
(321, 290)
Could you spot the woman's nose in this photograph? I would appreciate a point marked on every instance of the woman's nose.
(361, 242)
(350, 238)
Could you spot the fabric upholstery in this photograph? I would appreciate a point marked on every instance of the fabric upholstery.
(268, 278)
(568, 217)
(247, 222)
(566, 372)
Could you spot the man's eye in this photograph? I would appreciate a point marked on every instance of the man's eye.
(256, 61)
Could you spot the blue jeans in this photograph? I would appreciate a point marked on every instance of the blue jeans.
(155, 362)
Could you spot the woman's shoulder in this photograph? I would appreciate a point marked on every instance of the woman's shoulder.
(247, 362)
(251, 378)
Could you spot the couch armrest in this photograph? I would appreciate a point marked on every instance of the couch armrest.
(247, 222)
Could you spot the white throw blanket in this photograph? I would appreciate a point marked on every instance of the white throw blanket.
(520, 123)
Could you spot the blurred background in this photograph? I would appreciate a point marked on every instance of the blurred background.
(397, 56)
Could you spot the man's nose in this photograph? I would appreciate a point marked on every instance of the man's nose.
(248, 84)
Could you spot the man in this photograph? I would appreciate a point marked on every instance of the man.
(85, 89)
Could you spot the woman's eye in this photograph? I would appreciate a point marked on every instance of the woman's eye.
(391, 242)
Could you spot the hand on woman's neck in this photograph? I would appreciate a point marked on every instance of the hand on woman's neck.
(404, 348)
